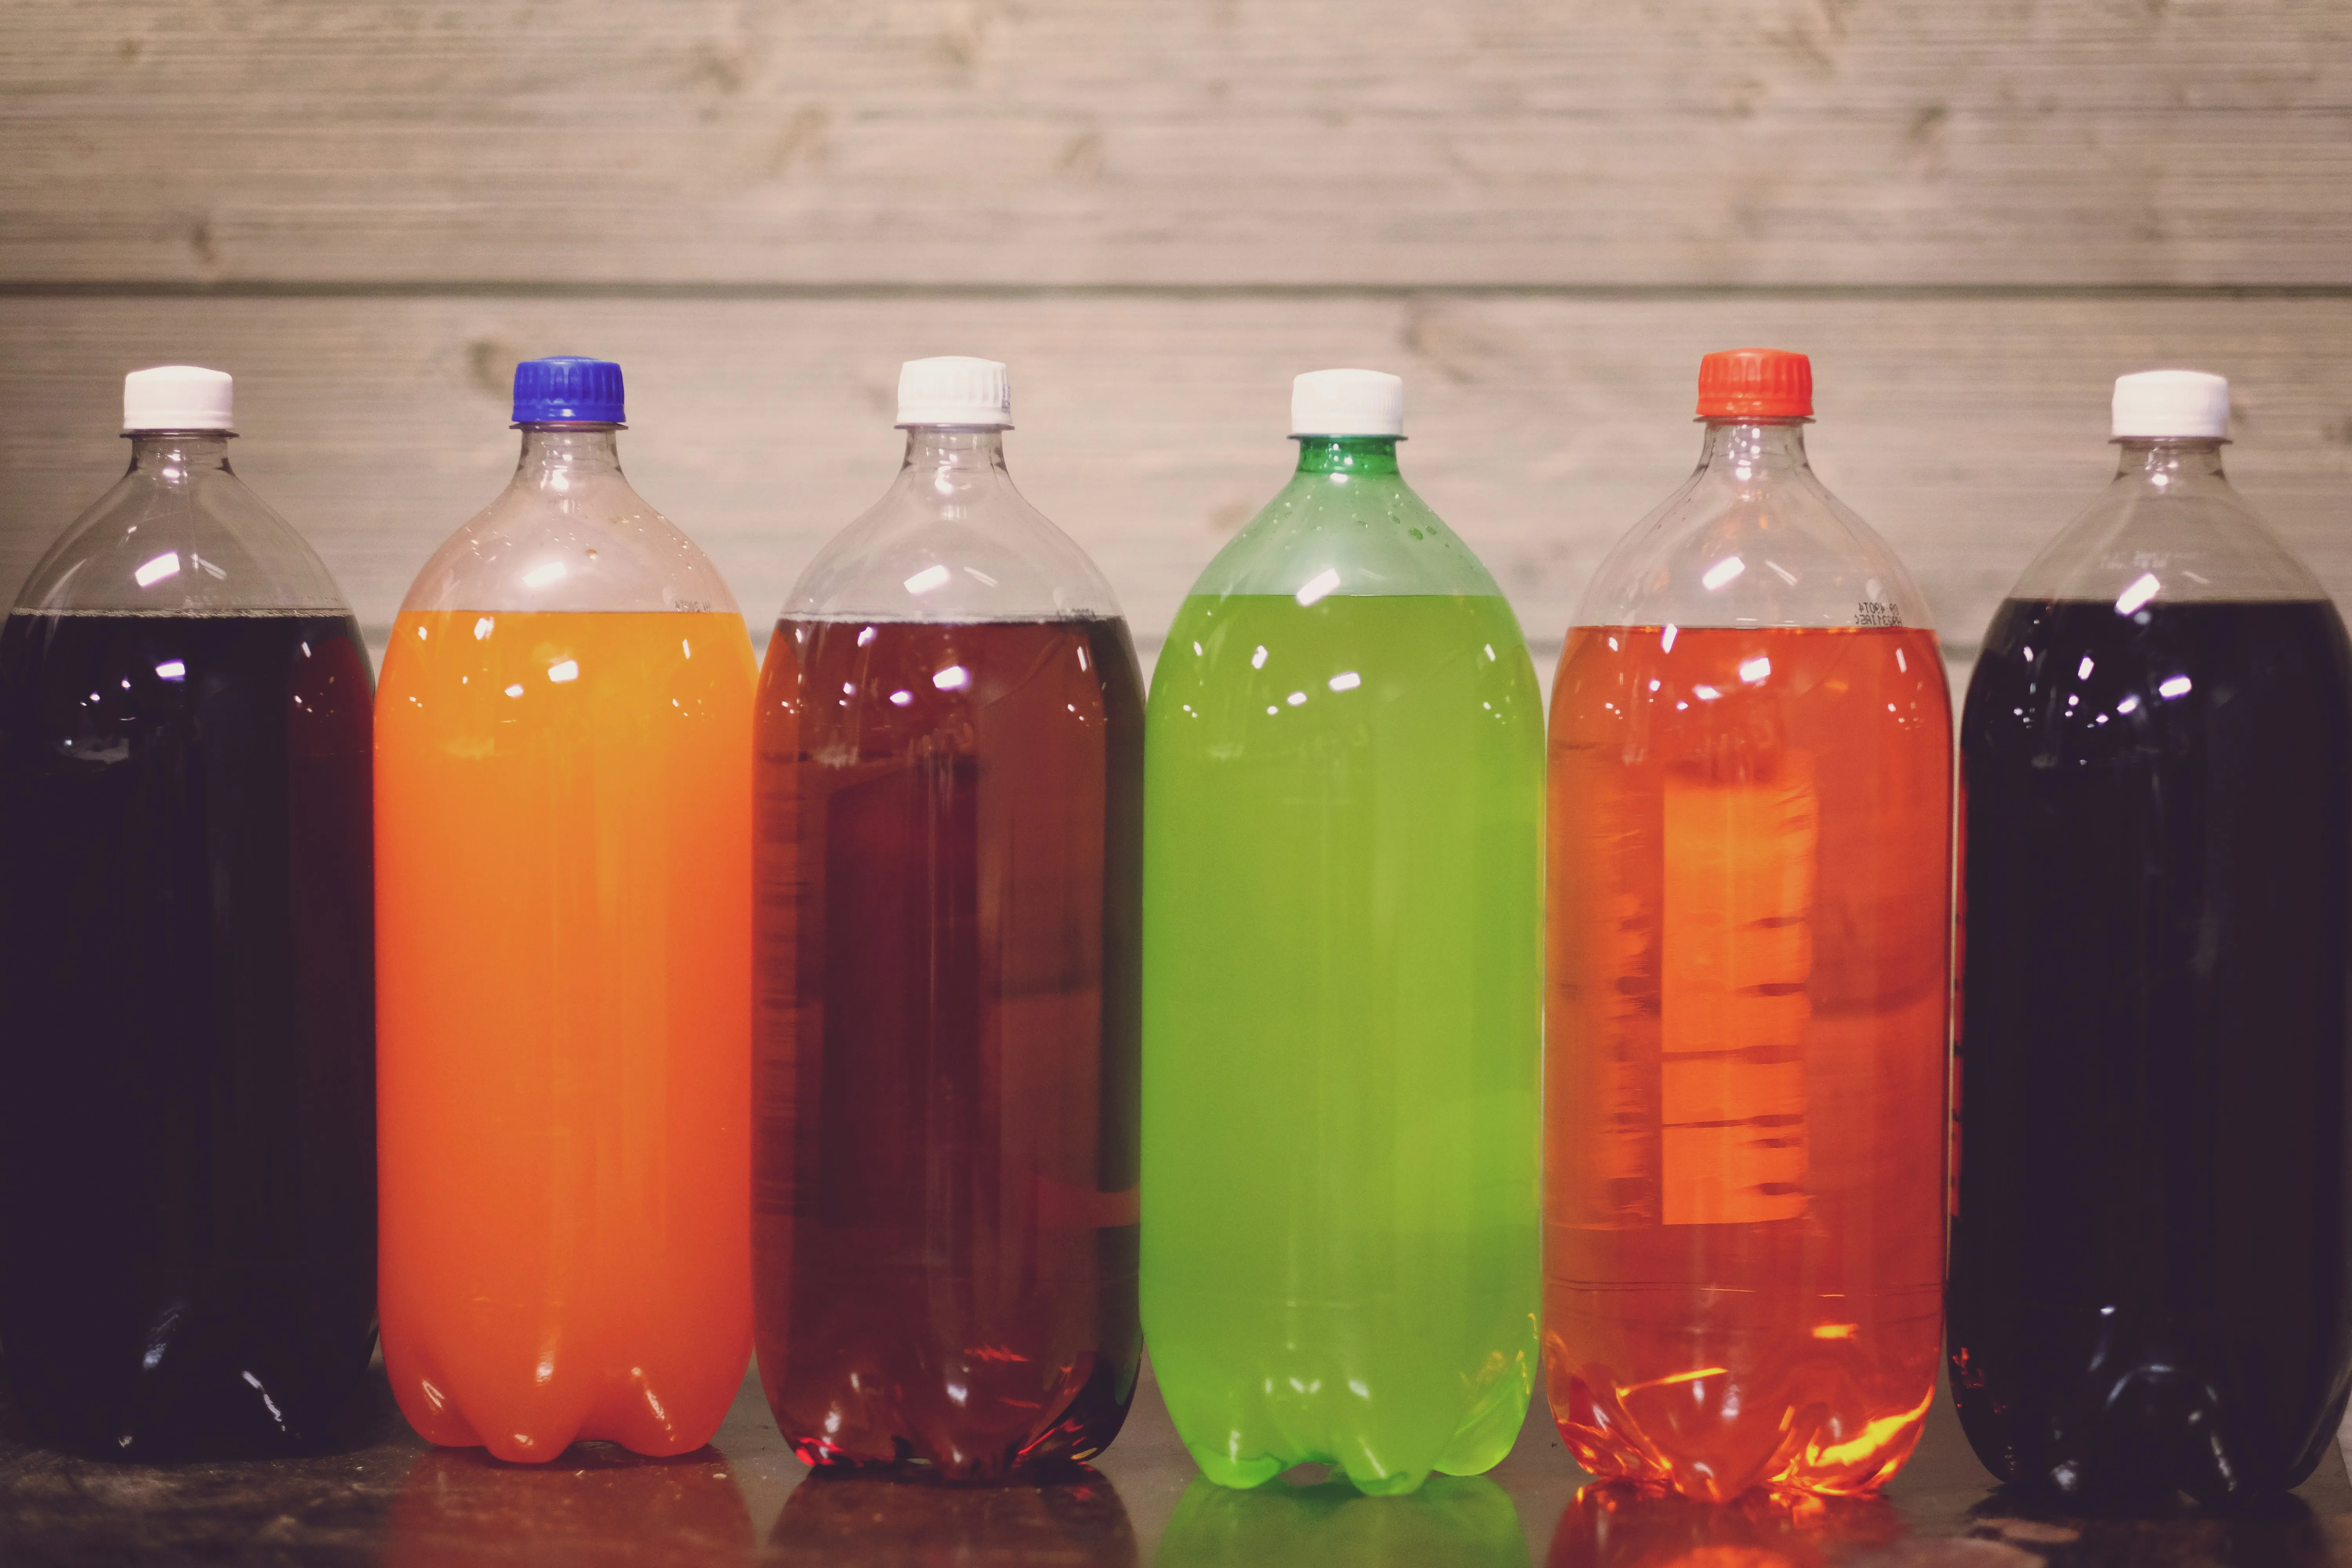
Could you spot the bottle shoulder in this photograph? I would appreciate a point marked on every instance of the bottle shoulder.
(948, 546)
(1346, 533)
(191, 542)
(589, 544)
(2192, 539)
(1756, 549)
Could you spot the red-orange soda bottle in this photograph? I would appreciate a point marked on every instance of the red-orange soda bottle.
(1750, 886)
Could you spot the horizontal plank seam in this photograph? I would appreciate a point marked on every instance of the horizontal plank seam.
(464, 289)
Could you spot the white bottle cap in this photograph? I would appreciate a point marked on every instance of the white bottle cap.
(955, 390)
(1347, 403)
(178, 397)
(2171, 403)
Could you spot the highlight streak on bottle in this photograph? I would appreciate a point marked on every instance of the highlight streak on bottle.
(1668, 1381)
(1740, 873)
(1606, 970)
(1882, 1437)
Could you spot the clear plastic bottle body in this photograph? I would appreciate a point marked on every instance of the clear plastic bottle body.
(1749, 885)
(188, 1181)
(948, 853)
(2152, 1230)
(1342, 984)
(562, 801)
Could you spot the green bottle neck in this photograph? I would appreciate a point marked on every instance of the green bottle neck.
(1370, 456)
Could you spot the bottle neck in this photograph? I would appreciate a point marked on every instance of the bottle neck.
(1363, 455)
(2169, 464)
(568, 451)
(1746, 447)
(172, 456)
(958, 455)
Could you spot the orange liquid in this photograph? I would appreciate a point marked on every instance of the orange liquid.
(563, 1026)
(1750, 853)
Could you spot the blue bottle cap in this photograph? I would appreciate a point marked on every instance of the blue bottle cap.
(567, 389)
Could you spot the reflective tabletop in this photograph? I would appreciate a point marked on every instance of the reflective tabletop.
(388, 1499)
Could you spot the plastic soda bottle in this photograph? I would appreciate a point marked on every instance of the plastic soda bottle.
(1749, 916)
(187, 1080)
(2149, 1253)
(564, 777)
(1342, 982)
(949, 860)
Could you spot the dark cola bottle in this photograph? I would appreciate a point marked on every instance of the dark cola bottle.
(2148, 1260)
(187, 1078)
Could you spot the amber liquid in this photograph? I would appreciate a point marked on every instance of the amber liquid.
(564, 1067)
(1750, 848)
(949, 860)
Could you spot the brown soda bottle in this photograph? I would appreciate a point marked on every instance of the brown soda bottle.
(948, 971)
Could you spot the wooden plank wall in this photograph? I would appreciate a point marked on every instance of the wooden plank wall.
(1539, 213)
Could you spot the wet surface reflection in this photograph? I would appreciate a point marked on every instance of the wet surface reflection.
(458, 1508)
(1461, 1521)
(1069, 1515)
(2287, 1531)
(1613, 1525)
(379, 1494)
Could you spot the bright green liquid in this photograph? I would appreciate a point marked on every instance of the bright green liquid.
(1343, 986)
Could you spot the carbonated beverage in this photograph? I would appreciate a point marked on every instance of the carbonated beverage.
(2148, 1255)
(949, 817)
(1750, 813)
(562, 812)
(187, 1171)
(1341, 1036)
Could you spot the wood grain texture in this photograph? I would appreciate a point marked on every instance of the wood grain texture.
(1966, 432)
(1193, 142)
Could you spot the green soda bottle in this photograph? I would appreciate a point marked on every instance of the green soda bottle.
(1344, 786)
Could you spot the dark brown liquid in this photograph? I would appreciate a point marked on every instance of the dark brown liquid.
(947, 971)
(2152, 1241)
(187, 1070)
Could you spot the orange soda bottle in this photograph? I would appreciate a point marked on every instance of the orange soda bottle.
(1750, 845)
(563, 768)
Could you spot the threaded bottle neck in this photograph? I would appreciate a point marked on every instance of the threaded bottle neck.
(174, 455)
(569, 449)
(1749, 446)
(1369, 456)
(2164, 461)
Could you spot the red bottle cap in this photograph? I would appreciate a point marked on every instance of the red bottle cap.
(1755, 383)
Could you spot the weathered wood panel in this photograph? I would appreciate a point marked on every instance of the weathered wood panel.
(1967, 431)
(1186, 142)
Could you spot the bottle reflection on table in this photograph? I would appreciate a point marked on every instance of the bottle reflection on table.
(459, 1508)
(1612, 1524)
(1065, 1513)
(1461, 1522)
